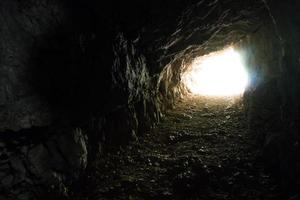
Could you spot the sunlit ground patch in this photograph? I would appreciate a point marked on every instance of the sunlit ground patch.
(217, 74)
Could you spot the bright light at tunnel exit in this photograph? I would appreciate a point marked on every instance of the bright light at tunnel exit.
(217, 74)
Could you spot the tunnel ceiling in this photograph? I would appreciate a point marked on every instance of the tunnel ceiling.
(204, 27)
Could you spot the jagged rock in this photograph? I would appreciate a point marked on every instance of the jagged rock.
(18, 166)
(25, 196)
(38, 158)
(74, 151)
(57, 161)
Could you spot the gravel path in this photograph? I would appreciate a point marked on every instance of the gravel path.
(201, 150)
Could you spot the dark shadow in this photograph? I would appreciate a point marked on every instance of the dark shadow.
(72, 66)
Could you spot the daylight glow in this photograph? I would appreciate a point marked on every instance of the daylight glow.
(217, 74)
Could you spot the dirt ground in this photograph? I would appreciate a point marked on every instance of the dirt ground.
(201, 150)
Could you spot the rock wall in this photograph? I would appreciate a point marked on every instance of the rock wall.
(285, 15)
(70, 87)
(273, 98)
(261, 54)
(22, 25)
(36, 163)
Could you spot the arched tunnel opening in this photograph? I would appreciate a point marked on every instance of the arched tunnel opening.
(217, 74)
(181, 99)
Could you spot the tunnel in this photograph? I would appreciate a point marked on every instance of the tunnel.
(174, 99)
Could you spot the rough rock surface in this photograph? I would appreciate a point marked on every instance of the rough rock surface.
(40, 167)
(273, 98)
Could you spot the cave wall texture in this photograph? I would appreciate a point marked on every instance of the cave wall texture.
(272, 101)
(79, 76)
(285, 143)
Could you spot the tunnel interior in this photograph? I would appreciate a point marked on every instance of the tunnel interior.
(95, 99)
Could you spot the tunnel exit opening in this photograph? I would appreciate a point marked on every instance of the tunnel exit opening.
(220, 73)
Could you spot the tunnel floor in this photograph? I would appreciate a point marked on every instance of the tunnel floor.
(201, 150)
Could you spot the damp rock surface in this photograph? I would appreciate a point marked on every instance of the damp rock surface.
(201, 150)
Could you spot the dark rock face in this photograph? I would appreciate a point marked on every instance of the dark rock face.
(36, 167)
(273, 98)
(21, 107)
(76, 77)
(261, 52)
(286, 142)
(68, 89)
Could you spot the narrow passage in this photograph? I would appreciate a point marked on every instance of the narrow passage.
(201, 150)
